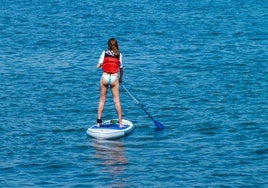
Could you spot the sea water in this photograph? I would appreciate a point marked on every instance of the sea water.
(198, 67)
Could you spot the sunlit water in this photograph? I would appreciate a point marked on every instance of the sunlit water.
(199, 68)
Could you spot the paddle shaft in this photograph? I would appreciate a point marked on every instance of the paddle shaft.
(138, 103)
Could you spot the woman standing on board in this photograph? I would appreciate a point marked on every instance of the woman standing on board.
(111, 63)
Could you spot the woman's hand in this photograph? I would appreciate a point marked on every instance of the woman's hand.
(120, 80)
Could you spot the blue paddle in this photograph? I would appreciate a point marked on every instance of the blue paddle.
(157, 123)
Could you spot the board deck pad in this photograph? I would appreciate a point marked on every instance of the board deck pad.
(110, 126)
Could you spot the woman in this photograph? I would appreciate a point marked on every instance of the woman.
(111, 62)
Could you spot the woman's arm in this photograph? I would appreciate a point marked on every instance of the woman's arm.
(121, 75)
(101, 60)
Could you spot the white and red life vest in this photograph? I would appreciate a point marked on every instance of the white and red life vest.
(111, 62)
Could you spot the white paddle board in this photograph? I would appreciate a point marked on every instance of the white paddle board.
(110, 129)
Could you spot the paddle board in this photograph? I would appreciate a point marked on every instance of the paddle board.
(110, 129)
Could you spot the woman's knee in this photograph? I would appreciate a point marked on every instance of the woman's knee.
(116, 100)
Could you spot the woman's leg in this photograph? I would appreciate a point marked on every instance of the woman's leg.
(116, 99)
(103, 91)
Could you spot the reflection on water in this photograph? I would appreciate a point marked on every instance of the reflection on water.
(110, 154)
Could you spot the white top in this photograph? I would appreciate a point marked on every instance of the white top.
(101, 59)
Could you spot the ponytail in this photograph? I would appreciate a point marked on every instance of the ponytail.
(113, 45)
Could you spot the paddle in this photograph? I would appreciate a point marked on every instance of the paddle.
(157, 124)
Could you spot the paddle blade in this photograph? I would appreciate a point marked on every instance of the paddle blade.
(159, 125)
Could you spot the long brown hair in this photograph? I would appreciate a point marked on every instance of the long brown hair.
(113, 45)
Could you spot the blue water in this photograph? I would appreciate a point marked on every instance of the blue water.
(199, 67)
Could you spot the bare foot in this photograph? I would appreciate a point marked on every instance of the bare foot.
(122, 126)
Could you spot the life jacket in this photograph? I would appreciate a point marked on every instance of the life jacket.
(110, 63)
